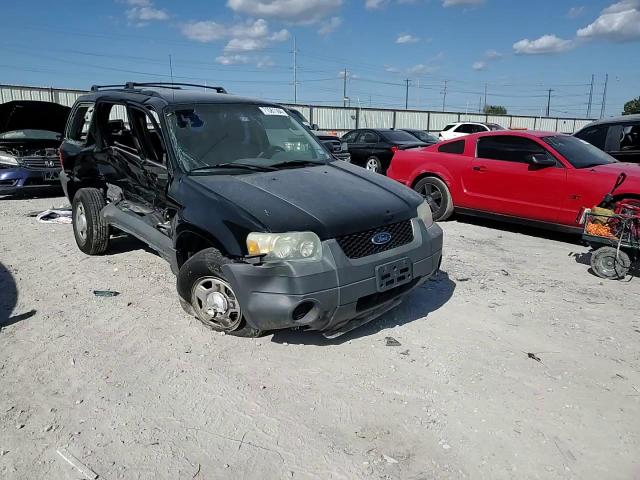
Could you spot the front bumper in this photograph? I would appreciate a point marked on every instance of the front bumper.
(345, 157)
(15, 180)
(340, 293)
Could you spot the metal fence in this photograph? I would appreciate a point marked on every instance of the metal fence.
(342, 119)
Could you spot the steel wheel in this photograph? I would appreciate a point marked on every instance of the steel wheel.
(216, 304)
(373, 165)
(609, 263)
(81, 222)
(432, 195)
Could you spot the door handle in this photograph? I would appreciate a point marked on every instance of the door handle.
(481, 168)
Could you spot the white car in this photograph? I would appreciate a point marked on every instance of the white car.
(460, 129)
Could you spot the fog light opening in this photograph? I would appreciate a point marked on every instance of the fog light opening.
(301, 310)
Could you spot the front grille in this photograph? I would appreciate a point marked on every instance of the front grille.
(375, 299)
(41, 162)
(358, 245)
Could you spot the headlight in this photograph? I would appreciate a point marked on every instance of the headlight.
(6, 159)
(424, 214)
(285, 246)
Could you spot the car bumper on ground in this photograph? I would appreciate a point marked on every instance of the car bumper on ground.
(336, 294)
(22, 180)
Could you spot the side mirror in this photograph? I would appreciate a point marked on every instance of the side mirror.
(541, 160)
(314, 126)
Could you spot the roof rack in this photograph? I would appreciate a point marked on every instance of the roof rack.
(172, 85)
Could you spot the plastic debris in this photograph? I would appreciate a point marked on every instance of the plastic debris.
(389, 459)
(533, 356)
(392, 342)
(55, 216)
(77, 464)
(106, 293)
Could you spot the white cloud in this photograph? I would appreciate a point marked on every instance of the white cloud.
(546, 44)
(205, 31)
(330, 26)
(242, 37)
(406, 38)
(479, 65)
(232, 59)
(492, 55)
(374, 4)
(143, 11)
(422, 69)
(138, 3)
(619, 22)
(292, 11)
(461, 3)
(391, 69)
(488, 57)
(265, 62)
(575, 12)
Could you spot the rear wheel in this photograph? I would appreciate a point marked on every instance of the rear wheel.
(373, 164)
(609, 263)
(206, 294)
(89, 228)
(437, 195)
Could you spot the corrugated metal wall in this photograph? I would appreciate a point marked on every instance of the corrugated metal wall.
(342, 119)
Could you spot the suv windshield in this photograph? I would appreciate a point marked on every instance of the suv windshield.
(211, 135)
(579, 153)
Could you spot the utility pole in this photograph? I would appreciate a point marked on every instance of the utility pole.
(604, 96)
(485, 95)
(480, 105)
(344, 88)
(171, 67)
(406, 96)
(418, 94)
(444, 95)
(549, 102)
(295, 72)
(590, 97)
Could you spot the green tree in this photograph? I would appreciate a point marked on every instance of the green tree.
(632, 106)
(495, 110)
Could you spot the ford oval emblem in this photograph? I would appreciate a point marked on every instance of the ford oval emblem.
(381, 238)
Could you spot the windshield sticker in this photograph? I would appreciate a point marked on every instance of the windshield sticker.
(273, 111)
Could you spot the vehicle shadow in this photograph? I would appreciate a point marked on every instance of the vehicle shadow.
(422, 301)
(530, 230)
(9, 299)
(124, 243)
(44, 193)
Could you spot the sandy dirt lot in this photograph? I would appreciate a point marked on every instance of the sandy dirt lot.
(136, 389)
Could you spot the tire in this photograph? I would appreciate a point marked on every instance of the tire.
(437, 195)
(203, 289)
(90, 230)
(373, 164)
(609, 263)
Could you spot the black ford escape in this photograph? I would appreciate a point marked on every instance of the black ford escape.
(262, 226)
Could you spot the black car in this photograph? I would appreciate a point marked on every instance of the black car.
(421, 135)
(30, 134)
(619, 137)
(374, 148)
(262, 226)
(333, 143)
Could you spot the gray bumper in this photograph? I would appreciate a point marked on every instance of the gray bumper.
(343, 292)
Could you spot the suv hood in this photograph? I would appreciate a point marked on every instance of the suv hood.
(33, 115)
(331, 200)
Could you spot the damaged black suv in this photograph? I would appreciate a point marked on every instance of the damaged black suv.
(262, 226)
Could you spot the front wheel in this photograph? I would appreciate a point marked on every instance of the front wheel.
(89, 228)
(205, 293)
(610, 263)
(437, 195)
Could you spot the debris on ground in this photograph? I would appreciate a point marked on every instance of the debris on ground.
(106, 293)
(392, 342)
(389, 459)
(533, 356)
(77, 464)
(55, 216)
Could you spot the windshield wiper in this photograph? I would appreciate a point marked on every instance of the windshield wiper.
(242, 166)
(297, 163)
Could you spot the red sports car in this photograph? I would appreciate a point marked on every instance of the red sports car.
(536, 177)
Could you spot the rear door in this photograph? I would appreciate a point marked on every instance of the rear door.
(502, 180)
(356, 149)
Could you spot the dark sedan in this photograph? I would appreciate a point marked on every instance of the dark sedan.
(374, 148)
(421, 135)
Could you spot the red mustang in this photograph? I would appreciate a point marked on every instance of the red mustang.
(536, 177)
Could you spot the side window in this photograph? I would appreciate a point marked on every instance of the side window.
(148, 137)
(452, 147)
(630, 138)
(480, 128)
(596, 136)
(113, 123)
(465, 128)
(350, 137)
(448, 127)
(80, 124)
(368, 137)
(509, 148)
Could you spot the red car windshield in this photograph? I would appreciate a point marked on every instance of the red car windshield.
(579, 153)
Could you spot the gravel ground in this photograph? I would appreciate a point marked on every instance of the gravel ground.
(136, 389)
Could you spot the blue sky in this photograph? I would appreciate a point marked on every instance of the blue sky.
(517, 49)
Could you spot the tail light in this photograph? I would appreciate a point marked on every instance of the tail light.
(394, 149)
